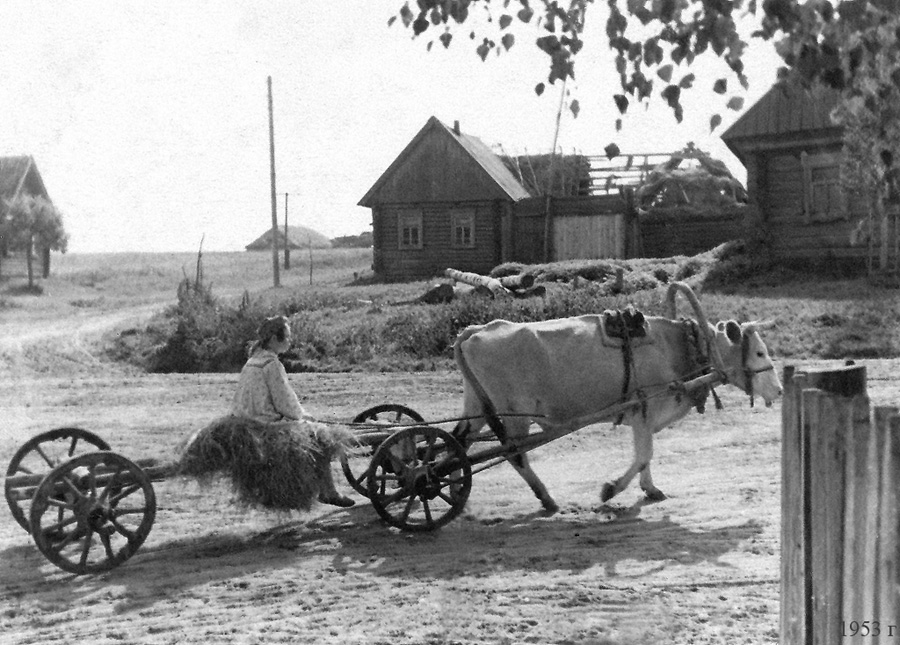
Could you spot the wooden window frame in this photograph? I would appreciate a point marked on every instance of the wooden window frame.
(461, 220)
(837, 206)
(409, 221)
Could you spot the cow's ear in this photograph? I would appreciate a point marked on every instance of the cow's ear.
(733, 331)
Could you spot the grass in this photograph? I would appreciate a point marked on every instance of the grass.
(346, 321)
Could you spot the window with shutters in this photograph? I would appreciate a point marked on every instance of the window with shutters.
(823, 198)
(409, 230)
(462, 229)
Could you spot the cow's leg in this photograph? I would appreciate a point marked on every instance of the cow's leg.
(517, 428)
(643, 453)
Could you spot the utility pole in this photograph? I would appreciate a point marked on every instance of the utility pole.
(287, 242)
(276, 276)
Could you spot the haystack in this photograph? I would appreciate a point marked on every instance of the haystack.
(275, 465)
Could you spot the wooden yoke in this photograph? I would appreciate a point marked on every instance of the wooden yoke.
(718, 363)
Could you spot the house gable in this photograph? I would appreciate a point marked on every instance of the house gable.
(20, 175)
(443, 165)
(785, 115)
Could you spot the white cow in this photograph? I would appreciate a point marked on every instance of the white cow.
(566, 373)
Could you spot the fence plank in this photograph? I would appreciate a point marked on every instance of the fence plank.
(857, 448)
(869, 587)
(828, 418)
(793, 571)
(888, 532)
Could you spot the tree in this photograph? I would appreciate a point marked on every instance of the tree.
(652, 38)
(850, 45)
(31, 221)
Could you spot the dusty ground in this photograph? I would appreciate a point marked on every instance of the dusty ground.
(699, 567)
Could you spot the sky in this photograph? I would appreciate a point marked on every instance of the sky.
(149, 121)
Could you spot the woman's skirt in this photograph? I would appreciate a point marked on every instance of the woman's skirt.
(278, 465)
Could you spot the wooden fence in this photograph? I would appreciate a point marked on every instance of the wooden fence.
(840, 544)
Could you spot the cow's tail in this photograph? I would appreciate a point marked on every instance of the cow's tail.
(487, 407)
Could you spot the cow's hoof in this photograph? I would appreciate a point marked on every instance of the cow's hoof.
(655, 495)
(550, 507)
(608, 492)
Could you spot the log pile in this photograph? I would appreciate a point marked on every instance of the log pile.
(464, 283)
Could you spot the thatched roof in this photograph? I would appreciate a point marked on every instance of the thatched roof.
(20, 175)
(299, 237)
(710, 183)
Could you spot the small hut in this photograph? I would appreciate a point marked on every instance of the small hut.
(298, 237)
(19, 175)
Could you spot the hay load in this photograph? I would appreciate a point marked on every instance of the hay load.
(272, 465)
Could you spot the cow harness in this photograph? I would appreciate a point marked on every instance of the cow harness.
(627, 324)
(699, 363)
(749, 372)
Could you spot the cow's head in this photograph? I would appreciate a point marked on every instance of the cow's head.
(747, 361)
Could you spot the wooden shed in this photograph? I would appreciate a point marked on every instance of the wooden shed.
(19, 175)
(792, 152)
(443, 202)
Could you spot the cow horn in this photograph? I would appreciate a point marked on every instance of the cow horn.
(760, 325)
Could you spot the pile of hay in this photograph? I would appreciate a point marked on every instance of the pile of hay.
(275, 466)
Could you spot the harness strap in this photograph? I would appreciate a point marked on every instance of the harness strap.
(627, 360)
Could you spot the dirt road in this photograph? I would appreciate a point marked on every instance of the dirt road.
(699, 567)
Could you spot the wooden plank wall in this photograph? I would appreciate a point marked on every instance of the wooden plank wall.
(840, 558)
(589, 237)
(782, 208)
(688, 235)
(437, 252)
(587, 227)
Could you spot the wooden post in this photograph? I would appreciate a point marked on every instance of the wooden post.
(275, 274)
(287, 242)
(808, 577)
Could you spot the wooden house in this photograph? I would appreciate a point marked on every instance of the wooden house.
(792, 152)
(445, 201)
(19, 175)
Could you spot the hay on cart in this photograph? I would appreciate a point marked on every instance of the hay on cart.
(271, 465)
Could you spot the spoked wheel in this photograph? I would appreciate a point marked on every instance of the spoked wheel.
(93, 512)
(41, 454)
(356, 465)
(419, 479)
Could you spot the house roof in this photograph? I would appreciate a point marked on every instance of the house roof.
(786, 109)
(299, 237)
(488, 163)
(15, 172)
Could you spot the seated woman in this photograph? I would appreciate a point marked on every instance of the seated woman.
(265, 395)
(275, 454)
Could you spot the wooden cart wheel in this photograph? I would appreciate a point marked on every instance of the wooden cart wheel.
(420, 478)
(356, 465)
(41, 454)
(92, 512)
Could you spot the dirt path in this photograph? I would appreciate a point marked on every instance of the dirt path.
(66, 343)
(701, 567)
